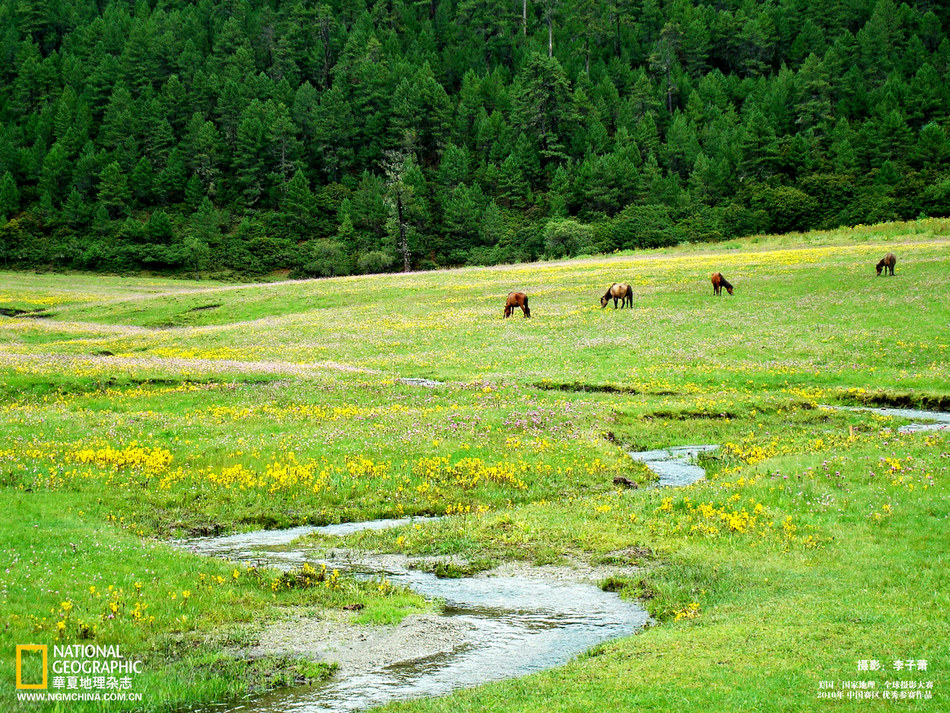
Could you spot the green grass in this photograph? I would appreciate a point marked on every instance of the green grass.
(72, 576)
(130, 415)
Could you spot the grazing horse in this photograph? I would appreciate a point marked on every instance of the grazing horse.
(517, 299)
(887, 264)
(718, 282)
(618, 291)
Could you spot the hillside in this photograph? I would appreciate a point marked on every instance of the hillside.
(239, 138)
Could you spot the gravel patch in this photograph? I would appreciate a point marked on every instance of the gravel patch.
(334, 638)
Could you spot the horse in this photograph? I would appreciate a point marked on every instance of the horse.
(618, 291)
(718, 282)
(517, 299)
(887, 264)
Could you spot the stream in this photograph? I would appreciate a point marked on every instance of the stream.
(676, 467)
(938, 420)
(510, 626)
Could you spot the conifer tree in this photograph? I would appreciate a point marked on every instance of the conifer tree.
(9, 196)
(114, 193)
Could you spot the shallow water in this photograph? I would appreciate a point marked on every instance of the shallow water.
(425, 383)
(676, 467)
(515, 625)
(939, 421)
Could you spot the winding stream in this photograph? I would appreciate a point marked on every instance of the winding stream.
(939, 421)
(511, 626)
(676, 467)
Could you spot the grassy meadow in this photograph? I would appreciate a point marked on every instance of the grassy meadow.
(137, 410)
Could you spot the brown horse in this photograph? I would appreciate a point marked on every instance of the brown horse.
(887, 264)
(517, 299)
(618, 291)
(718, 282)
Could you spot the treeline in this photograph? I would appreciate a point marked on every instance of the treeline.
(333, 137)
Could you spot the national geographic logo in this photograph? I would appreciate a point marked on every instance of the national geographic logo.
(30, 655)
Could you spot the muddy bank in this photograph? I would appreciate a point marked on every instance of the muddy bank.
(359, 649)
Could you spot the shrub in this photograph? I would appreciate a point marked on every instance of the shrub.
(327, 259)
(374, 262)
(641, 226)
(564, 237)
(787, 208)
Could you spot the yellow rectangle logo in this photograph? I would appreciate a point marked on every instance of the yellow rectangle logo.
(19, 665)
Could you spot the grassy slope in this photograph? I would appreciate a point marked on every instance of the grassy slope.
(754, 608)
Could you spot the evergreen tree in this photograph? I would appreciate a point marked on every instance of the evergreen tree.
(462, 209)
(140, 182)
(9, 196)
(283, 145)
(114, 193)
(697, 118)
(75, 210)
(513, 187)
(759, 147)
(172, 180)
(55, 174)
(298, 206)
(159, 228)
(422, 110)
(544, 105)
(194, 191)
(120, 126)
(814, 90)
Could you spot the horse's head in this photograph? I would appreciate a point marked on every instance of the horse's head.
(604, 300)
(880, 267)
(729, 289)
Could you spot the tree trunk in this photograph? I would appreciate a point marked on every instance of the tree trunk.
(524, 18)
(669, 88)
(617, 39)
(403, 237)
(550, 34)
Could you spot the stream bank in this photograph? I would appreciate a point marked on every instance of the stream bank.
(506, 623)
